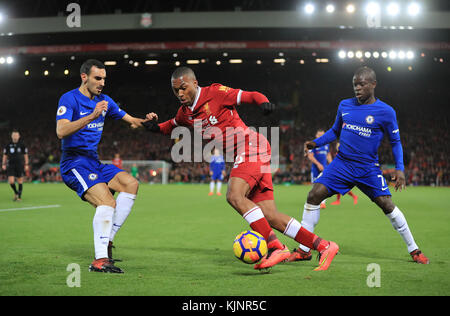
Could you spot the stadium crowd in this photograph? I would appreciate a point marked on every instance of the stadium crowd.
(307, 99)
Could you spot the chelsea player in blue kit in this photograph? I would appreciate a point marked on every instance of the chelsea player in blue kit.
(216, 171)
(80, 118)
(361, 124)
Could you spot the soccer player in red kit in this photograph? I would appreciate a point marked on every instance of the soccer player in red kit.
(212, 110)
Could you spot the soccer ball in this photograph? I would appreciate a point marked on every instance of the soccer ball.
(249, 246)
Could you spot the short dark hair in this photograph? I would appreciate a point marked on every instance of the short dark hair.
(367, 72)
(15, 130)
(87, 65)
(183, 71)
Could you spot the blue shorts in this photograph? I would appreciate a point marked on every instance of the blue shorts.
(80, 173)
(340, 176)
(217, 176)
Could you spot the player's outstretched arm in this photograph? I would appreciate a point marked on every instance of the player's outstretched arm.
(65, 127)
(258, 98)
(134, 122)
(151, 124)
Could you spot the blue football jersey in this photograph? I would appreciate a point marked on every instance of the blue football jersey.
(74, 105)
(217, 164)
(320, 153)
(361, 128)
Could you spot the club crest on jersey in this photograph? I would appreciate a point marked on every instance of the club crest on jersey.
(369, 119)
(93, 176)
(208, 111)
(61, 110)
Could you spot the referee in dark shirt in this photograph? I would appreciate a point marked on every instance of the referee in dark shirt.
(15, 162)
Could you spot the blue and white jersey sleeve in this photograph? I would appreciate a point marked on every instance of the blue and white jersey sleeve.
(114, 111)
(66, 106)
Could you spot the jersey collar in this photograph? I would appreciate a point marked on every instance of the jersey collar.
(192, 107)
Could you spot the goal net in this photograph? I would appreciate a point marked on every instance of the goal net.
(146, 171)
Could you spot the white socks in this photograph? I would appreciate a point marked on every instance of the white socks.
(219, 186)
(399, 223)
(124, 203)
(107, 222)
(211, 186)
(102, 224)
(311, 216)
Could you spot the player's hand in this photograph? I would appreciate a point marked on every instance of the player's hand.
(137, 122)
(3, 167)
(267, 108)
(100, 107)
(320, 167)
(400, 181)
(151, 117)
(308, 146)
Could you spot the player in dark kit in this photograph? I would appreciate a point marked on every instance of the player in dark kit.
(15, 162)
(250, 188)
(361, 123)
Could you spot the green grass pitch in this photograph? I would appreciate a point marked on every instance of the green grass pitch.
(178, 241)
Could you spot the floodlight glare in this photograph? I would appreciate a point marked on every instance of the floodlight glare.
(413, 9)
(350, 54)
(367, 54)
(401, 55)
(393, 9)
(342, 54)
(372, 8)
(392, 54)
(9, 60)
(350, 8)
(330, 8)
(358, 54)
(309, 8)
(376, 54)
(409, 54)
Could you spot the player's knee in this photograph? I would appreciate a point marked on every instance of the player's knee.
(385, 203)
(234, 199)
(132, 186)
(313, 198)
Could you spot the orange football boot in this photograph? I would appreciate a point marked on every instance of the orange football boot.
(299, 255)
(419, 257)
(326, 256)
(273, 257)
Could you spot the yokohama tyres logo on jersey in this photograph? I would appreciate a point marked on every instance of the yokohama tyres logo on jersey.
(362, 131)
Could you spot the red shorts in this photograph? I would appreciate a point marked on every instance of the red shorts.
(257, 174)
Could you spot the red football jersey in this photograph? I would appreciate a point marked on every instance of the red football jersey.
(214, 114)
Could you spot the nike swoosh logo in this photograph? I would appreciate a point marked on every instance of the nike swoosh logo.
(343, 114)
(384, 188)
(83, 113)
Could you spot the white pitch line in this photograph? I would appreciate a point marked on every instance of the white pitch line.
(29, 208)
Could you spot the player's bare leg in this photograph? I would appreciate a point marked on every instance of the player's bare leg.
(127, 186)
(400, 224)
(101, 198)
